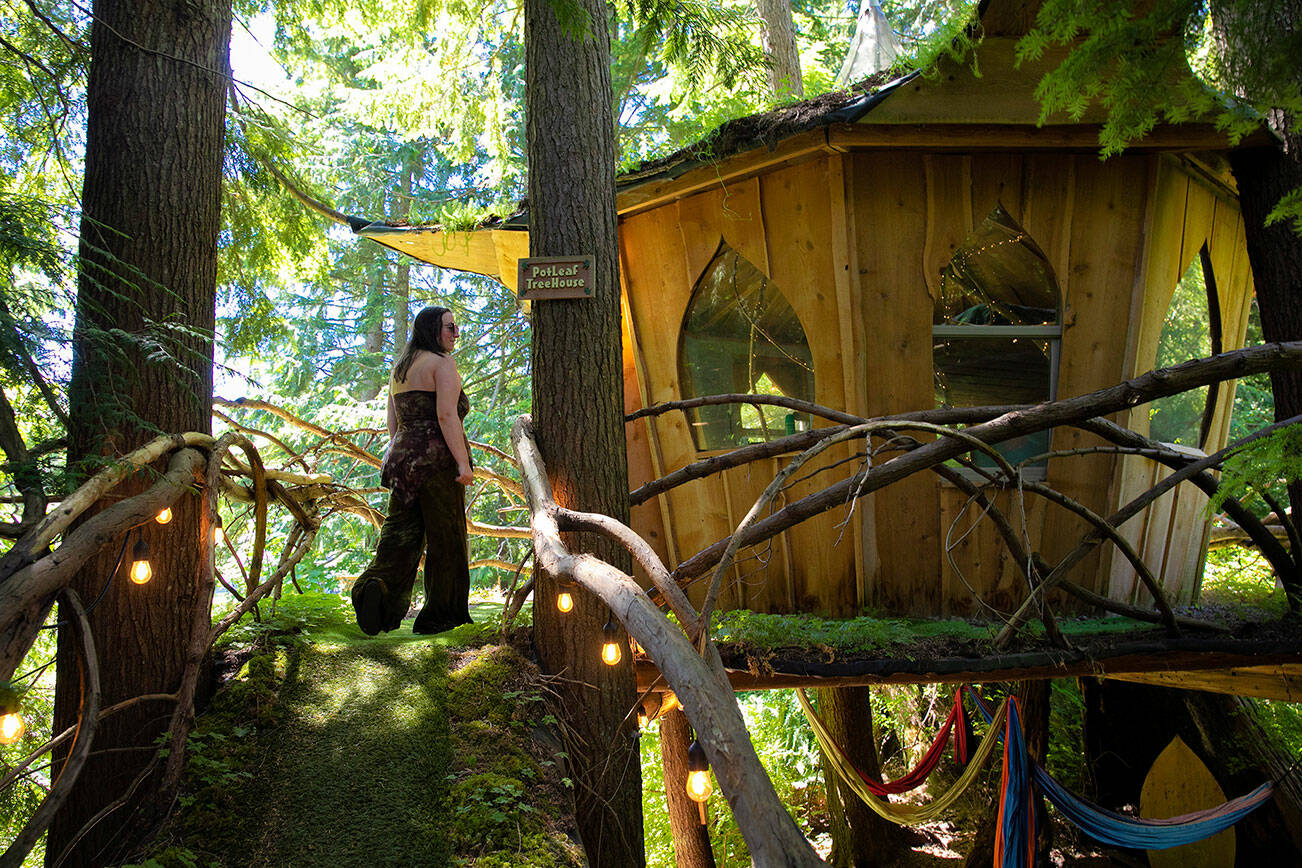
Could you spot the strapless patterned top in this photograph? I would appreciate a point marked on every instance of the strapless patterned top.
(418, 450)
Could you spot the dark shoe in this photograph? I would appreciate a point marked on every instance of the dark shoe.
(430, 628)
(369, 605)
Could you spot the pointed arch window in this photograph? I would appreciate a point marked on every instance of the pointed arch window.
(997, 329)
(741, 335)
(1191, 330)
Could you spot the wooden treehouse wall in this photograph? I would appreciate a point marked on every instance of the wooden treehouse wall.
(856, 242)
(1190, 210)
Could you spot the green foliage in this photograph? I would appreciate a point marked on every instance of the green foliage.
(1185, 336)
(1242, 580)
(1263, 467)
(1232, 62)
(786, 747)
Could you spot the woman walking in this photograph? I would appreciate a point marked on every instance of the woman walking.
(426, 470)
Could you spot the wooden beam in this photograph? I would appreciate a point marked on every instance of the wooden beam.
(1271, 670)
(665, 186)
(1282, 682)
(1016, 137)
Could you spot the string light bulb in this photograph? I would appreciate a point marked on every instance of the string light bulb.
(12, 727)
(564, 601)
(217, 534)
(610, 653)
(141, 572)
(164, 515)
(699, 787)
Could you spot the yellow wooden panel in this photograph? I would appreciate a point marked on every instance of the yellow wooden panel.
(845, 269)
(890, 227)
(1137, 474)
(649, 518)
(1107, 227)
(1003, 94)
(658, 291)
(996, 179)
(512, 246)
(949, 213)
(1047, 206)
(731, 214)
(797, 207)
(1186, 545)
(1180, 783)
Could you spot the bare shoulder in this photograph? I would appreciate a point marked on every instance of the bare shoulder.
(423, 375)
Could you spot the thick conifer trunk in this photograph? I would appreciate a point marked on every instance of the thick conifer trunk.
(1264, 176)
(860, 838)
(779, 36)
(578, 405)
(691, 837)
(151, 214)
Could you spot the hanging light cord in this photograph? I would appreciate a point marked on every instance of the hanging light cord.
(104, 590)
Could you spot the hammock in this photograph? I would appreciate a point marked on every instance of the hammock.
(904, 815)
(928, 763)
(1121, 830)
(1015, 821)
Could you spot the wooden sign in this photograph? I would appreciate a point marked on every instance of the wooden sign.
(546, 277)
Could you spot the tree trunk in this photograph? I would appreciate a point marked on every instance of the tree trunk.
(1264, 175)
(578, 406)
(142, 362)
(402, 283)
(860, 838)
(691, 836)
(779, 39)
(1128, 725)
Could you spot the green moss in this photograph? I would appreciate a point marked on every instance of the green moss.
(535, 851)
(476, 689)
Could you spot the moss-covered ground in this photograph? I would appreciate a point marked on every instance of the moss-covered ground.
(331, 748)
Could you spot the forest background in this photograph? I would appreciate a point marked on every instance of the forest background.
(405, 110)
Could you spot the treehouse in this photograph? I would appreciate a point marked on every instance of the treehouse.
(918, 244)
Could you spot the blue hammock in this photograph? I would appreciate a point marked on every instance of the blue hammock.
(1123, 831)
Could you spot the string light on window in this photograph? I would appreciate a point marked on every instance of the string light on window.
(610, 653)
(164, 515)
(140, 572)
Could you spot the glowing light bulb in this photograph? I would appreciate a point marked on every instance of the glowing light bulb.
(217, 536)
(610, 653)
(699, 786)
(12, 727)
(140, 571)
(564, 601)
(164, 515)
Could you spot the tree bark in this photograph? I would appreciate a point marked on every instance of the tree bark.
(578, 404)
(691, 836)
(142, 359)
(779, 39)
(860, 838)
(1264, 175)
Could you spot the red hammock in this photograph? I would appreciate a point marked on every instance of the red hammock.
(915, 778)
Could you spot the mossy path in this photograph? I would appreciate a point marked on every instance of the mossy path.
(346, 750)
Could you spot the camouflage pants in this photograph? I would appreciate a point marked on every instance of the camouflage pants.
(433, 524)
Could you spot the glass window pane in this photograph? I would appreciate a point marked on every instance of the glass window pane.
(999, 276)
(740, 335)
(974, 372)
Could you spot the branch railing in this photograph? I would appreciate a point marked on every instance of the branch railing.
(32, 573)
